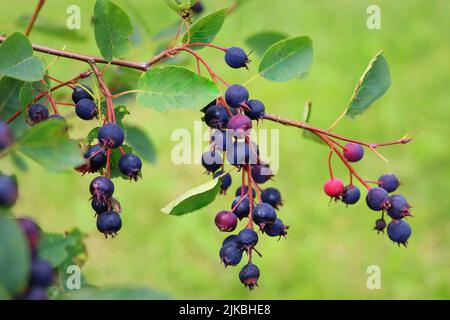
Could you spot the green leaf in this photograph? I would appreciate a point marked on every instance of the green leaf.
(92, 135)
(260, 42)
(307, 112)
(14, 257)
(112, 28)
(10, 104)
(175, 87)
(141, 143)
(194, 199)
(48, 144)
(117, 294)
(17, 60)
(206, 28)
(287, 59)
(19, 161)
(374, 82)
(26, 96)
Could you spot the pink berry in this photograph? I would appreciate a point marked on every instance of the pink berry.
(333, 188)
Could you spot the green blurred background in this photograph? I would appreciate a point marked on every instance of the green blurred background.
(329, 248)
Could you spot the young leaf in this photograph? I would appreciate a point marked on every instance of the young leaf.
(287, 59)
(141, 143)
(374, 82)
(175, 87)
(205, 29)
(260, 42)
(306, 118)
(112, 28)
(194, 199)
(48, 144)
(14, 257)
(17, 60)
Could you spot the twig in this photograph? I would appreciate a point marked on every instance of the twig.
(34, 17)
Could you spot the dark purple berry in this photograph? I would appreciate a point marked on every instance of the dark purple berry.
(80, 93)
(6, 136)
(249, 275)
(231, 239)
(256, 109)
(109, 223)
(264, 213)
(388, 182)
(236, 57)
(220, 139)
(130, 165)
(111, 136)
(197, 7)
(8, 190)
(247, 239)
(380, 225)
(230, 254)
(35, 293)
(226, 221)
(225, 181)
(351, 194)
(96, 157)
(31, 230)
(41, 273)
(212, 160)
(243, 190)
(241, 208)
(261, 173)
(100, 205)
(272, 196)
(276, 229)
(377, 199)
(216, 116)
(102, 188)
(236, 95)
(353, 152)
(37, 113)
(399, 207)
(399, 231)
(242, 153)
(86, 109)
(239, 126)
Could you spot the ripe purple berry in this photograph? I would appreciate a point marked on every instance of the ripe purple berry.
(220, 139)
(231, 239)
(8, 190)
(100, 205)
(351, 194)
(109, 223)
(276, 229)
(226, 221)
(35, 293)
(41, 273)
(334, 188)
(399, 207)
(380, 225)
(212, 160)
(243, 190)
(241, 153)
(197, 7)
(247, 239)
(388, 182)
(6, 136)
(272, 196)
(256, 109)
(239, 126)
(102, 188)
(353, 152)
(230, 254)
(399, 231)
(130, 165)
(263, 214)
(241, 208)
(216, 116)
(236, 57)
(377, 199)
(80, 93)
(236, 95)
(111, 136)
(225, 181)
(261, 173)
(249, 275)
(32, 232)
(96, 157)
(37, 113)
(86, 109)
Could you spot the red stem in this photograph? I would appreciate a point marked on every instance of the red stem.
(34, 17)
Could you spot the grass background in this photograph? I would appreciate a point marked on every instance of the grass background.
(328, 249)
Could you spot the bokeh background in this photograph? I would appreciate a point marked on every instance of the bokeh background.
(328, 248)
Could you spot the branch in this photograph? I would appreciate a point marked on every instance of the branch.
(34, 17)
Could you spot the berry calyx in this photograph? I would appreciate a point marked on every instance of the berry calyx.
(212, 160)
(225, 181)
(249, 275)
(351, 194)
(236, 95)
(41, 273)
(130, 165)
(37, 113)
(8, 190)
(96, 157)
(216, 116)
(80, 93)
(261, 173)
(399, 207)
(272, 196)
(247, 239)
(353, 152)
(111, 136)
(102, 188)
(230, 254)
(377, 199)
(399, 231)
(241, 208)
(388, 182)
(6, 136)
(263, 214)
(256, 109)
(86, 109)
(333, 188)
(226, 221)
(276, 229)
(236, 57)
(380, 225)
(239, 126)
(109, 223)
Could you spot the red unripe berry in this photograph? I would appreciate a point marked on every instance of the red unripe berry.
(333, 188)
(226, 221)
(353, 152)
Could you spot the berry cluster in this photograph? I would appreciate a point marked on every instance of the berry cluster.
(377, 198)
(230, 119)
